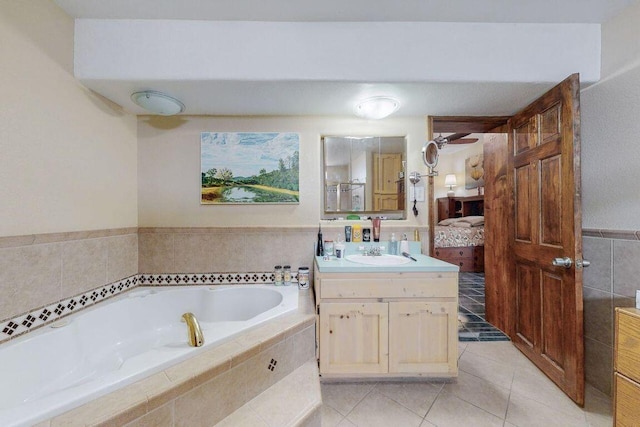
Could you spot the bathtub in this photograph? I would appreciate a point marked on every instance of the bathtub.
(93, 352)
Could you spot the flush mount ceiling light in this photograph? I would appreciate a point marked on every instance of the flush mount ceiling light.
(157, 102)
(377, 107)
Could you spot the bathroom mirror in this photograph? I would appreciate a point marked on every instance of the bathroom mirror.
(364, 176)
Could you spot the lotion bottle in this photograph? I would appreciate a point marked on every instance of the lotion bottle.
(404, 244)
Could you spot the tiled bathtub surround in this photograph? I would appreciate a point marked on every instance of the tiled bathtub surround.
(611, 281)
(40, 271)
(202, 250)
(206, 388)
(27, 322)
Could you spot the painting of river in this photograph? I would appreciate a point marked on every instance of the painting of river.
(249, 167)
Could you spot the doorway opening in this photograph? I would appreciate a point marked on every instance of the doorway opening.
(457, 230)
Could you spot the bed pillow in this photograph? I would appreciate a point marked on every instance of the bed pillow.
(473, 221)
(448, 221)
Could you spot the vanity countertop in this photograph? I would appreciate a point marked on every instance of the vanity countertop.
(424, 263)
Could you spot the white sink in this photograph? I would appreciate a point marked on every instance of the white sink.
(383, 260)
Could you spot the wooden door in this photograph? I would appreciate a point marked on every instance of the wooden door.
(423, 337)
(354, 338)
(545, 223)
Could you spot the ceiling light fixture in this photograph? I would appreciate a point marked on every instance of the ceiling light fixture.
(377, 107)
(157, 102)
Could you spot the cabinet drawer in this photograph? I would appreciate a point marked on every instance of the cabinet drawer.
(627, 354)
(433, 287)
(627, 401)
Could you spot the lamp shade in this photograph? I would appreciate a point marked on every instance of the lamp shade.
(377, 107)
(450, 180)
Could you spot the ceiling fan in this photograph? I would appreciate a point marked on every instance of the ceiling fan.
(456, 138)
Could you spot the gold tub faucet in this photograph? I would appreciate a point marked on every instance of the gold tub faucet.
(196, 339)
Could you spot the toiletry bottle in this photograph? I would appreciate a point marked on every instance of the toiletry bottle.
(347, 233)
(319, 247)
(393, 245)
(356, 233)
(376, 229)
(286, 275)
(404, 244)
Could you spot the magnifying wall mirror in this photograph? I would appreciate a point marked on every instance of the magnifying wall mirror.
(430, 157)
(363, 176)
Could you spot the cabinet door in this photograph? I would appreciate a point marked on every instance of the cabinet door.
(353, 338)
(423, 337)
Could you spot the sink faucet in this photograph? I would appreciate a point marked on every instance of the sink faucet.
(194, 333)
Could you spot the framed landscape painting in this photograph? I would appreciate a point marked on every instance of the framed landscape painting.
(249, 167)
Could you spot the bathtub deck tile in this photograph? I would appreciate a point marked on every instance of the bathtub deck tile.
(210, 402)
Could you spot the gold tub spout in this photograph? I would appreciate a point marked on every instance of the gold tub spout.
(196, 339)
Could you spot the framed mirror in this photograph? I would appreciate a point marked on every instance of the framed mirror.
(363, 176)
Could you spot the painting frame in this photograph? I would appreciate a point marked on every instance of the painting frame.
(474, 172)
(240, 168)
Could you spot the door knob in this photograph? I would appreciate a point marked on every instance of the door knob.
(565, 262)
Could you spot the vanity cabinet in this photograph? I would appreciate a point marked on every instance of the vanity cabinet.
(387, 324)
(626, 396)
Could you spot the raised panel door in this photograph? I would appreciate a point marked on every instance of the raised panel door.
(423, 337)
(354, 338)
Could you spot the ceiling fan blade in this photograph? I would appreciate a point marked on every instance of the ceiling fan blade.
(456, 136)
(464, 141)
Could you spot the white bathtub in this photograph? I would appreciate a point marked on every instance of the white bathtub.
(118, 342)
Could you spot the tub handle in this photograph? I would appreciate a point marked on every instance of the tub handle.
(194, 332)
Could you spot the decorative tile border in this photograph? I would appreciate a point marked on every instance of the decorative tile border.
(611, 234)
(34, 319)
(27, 322)
(250, 278)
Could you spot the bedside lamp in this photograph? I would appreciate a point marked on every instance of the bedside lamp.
(450, 181)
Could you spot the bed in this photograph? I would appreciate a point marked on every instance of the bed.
(460, 241)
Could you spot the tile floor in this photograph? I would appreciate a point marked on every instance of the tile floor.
(496, 386)
(471, 311)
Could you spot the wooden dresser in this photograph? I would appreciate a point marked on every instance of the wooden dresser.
(626, 378)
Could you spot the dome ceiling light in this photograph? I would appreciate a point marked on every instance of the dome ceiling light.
(377, 107)
(157, 102)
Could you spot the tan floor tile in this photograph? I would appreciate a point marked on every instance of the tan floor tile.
(598, 408)
(426, 423)
(490, 370)
(501, 351)
(330, 417)
(378, 410)
(525, 412)
(346, 423)
(451, 411)
(415, 396)
(343, 397)
(533, 384)
(481, 393)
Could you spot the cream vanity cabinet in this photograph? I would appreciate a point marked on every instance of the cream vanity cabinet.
(387, 324)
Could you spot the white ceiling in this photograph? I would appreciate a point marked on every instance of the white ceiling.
(331, 97)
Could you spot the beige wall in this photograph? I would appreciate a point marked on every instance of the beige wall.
(68, 156)
(169, 168)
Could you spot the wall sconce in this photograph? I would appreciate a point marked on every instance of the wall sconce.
(450, 181)
(157, 102)
(377, 107)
